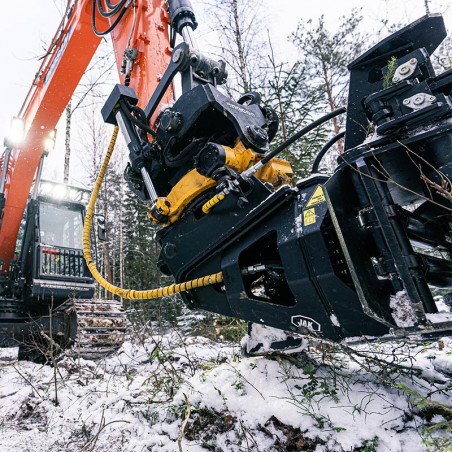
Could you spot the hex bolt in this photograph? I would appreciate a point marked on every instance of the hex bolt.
(404, 70)
(418, 100)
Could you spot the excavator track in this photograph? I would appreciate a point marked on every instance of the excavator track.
(100, 327)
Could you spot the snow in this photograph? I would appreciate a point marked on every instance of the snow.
(299, 225)
(261, 338)
(334, 320)
(402, 310)
(439, 317)
(331, 397)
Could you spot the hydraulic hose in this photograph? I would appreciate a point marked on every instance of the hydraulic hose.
(130, 294)
(324, 150)
(114, 9)
(119, 9)
(211, 203)
(206, 208)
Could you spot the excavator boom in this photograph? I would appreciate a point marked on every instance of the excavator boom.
(143, 26)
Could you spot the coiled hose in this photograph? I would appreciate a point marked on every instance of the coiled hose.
(130, 294)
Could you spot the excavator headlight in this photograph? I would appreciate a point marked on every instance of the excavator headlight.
(16, 132)
(49, 142)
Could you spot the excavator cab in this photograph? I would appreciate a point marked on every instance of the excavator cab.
(50, 262)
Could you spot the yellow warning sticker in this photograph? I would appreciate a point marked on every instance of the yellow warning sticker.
(309, 217)
(317, 197)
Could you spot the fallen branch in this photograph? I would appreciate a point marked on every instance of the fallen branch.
(184, 424)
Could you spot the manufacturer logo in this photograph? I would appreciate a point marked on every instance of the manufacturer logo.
(240, 109)
(306, 322)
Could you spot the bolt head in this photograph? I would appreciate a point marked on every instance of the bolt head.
(413, 61)
(177, 55)
(432, 98)
(406, 101)
(170, 250)
(395, 78)
(404, 70)
(257, 134)
(418, 100)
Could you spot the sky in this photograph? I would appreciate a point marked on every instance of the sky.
(26, 28)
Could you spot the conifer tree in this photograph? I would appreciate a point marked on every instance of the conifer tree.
(324, 57)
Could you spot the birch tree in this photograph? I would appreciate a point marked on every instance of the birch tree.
(238, 25)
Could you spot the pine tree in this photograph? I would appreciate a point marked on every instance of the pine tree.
(141, 252)
(324, 59)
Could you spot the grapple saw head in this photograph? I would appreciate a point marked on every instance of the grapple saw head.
(358, 254)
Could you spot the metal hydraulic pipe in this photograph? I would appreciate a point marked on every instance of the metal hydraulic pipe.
(149, 185)
(6, 155)
(189, 37)
(132, 143)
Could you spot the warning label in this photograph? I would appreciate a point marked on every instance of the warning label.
(317, 197)
(309, 217)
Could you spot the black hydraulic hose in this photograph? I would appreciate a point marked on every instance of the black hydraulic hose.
(114, 9)
(302, 132)
(114, 5)
(207, 207)
(324, 150)
(136, 121)
(112, 26)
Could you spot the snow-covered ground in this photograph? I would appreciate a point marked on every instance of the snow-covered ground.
(166, 392)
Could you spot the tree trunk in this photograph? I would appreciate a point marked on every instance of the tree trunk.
(238, 39)
(329, 93)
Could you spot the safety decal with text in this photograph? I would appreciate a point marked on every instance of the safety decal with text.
(317, 197)
(309, 216)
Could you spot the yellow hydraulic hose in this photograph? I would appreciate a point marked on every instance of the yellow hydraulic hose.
(209, 205)
(130, 294)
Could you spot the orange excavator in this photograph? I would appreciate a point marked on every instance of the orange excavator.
(44, 267)
(357, 254)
